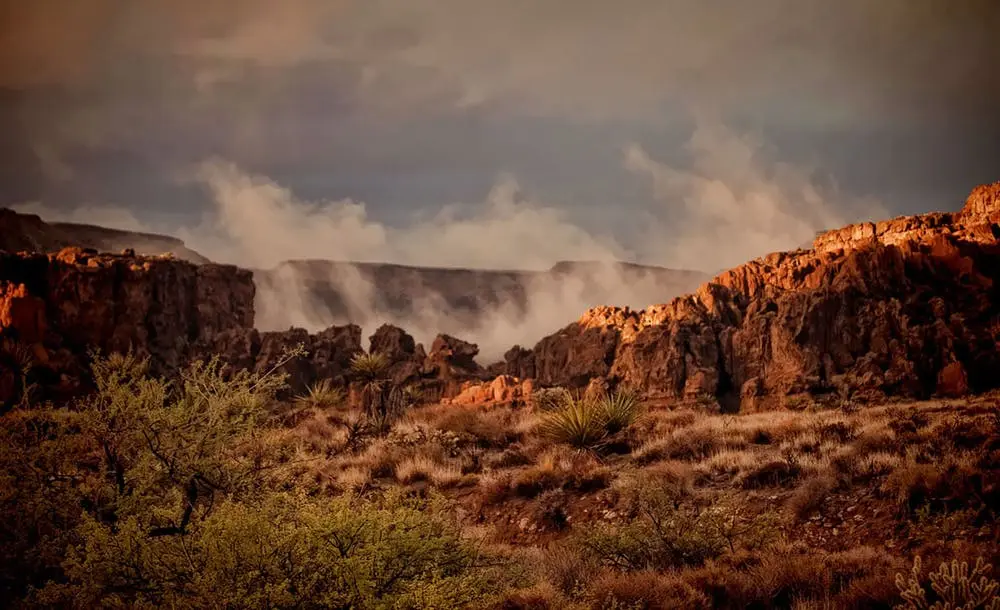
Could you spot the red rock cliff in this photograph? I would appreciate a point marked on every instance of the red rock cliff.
(60, 305)
(906, 307)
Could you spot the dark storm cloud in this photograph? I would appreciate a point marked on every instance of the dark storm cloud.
(418, 104)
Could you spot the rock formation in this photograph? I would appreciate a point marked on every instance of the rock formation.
(28, 232)
(55, 308)
(901, 307)
(907, 307)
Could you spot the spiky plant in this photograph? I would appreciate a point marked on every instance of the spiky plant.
(578, 423)
(620, 410)
(383, 404)
(370, 368)
(956, 587)
(18, 354)
(322, 394)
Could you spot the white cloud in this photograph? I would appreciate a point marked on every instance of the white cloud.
(735, 203)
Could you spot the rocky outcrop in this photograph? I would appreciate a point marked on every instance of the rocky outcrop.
(502, 390)
(77, 299)
(55, 308)
(902, 307)
(28, 232)
(437, 374)
(60, 306)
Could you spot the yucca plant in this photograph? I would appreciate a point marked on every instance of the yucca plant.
(383, 403)
(370, 368)
(322, 394)
(579, 423)
(620, 410)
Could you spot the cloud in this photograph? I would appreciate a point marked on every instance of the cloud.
(832, 61)
(258, 223)
(736, 202)
(731, 201)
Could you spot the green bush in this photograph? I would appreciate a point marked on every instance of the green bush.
(281, 551)
(619, 410)
(577, 424)
(151, 493)
(370, 367)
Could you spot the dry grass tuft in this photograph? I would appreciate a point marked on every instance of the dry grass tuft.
(425, 468)
(646, 590)
(809, 496)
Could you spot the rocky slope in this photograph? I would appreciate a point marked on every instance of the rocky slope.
(56, 307)
(901, 307)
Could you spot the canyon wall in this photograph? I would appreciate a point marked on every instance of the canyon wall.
(904, 307)
(56, 308)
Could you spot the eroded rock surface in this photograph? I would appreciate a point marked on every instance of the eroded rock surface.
(903, 307)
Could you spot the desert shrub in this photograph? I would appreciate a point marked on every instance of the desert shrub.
(369, 368)
(160, 493)
(322, 394)
(489, 429)
(688, 444)
(809, 496)
(44, 460)
(620, 410)
(671, 478)
(575, 472)
(952, 586)
(426, 468)
(509, 458)
(666, 533)
(772, 473)
(951, 485)
(567, 569)
(538, 597)
(550, 512)
(789, 577)
(587, 424)
(649, 590)
(578, 424)
(280, 552)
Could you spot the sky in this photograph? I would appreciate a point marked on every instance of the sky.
(496, 133)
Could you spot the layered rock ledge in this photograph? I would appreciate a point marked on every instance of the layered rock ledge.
(904, 307)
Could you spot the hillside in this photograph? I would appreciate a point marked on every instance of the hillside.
(813, 429)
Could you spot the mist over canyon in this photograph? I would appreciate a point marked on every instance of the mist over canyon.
(506, 270)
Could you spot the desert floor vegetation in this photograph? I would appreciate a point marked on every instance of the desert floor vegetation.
(209, 491)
